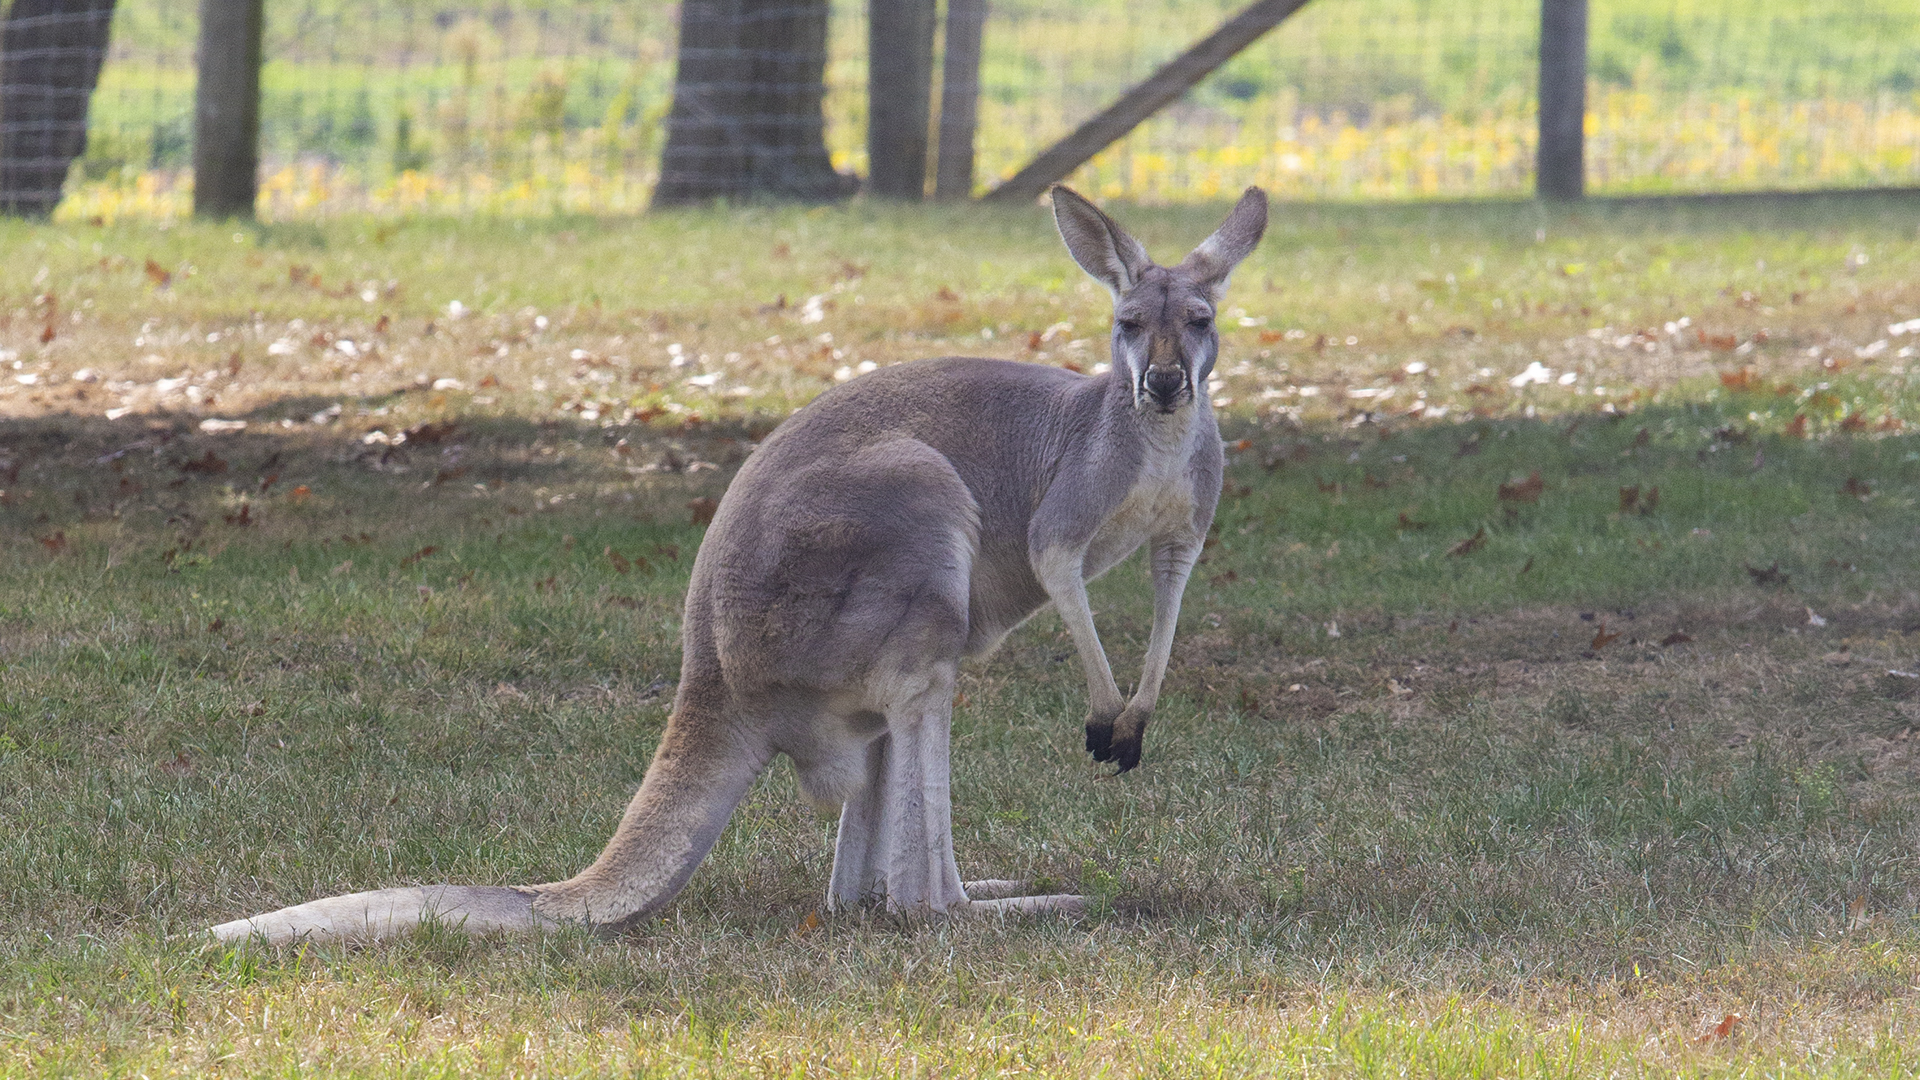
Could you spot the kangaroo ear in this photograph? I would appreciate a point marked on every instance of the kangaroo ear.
(1213, 261)
(1097, 242)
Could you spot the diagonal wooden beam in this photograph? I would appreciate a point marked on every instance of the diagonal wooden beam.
(1165, 85)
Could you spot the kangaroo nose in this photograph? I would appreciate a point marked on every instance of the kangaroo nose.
(1165, 384)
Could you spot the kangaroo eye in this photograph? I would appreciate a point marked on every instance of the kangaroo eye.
(1200, 324)
(1128, 327)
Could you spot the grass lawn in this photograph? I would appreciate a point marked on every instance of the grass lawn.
(1478, 757)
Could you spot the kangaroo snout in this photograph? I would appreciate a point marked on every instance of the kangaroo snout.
(1166, 386)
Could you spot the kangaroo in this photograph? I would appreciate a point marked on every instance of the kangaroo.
(895, 525)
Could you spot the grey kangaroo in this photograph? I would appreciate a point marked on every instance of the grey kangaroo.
(898, 523)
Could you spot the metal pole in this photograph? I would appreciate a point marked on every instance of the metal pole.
(226, 109)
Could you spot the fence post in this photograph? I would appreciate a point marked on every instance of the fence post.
(899, 96)
(226, 109)
(959, 99)
(1560, 162)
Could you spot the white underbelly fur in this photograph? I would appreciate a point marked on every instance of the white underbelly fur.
(1157, 506)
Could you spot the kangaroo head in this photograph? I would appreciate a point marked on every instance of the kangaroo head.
(1164, 339)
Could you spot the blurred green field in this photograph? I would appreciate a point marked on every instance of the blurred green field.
(1459, 772)
(559, 107)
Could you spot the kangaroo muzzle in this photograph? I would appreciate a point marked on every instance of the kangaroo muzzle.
(1166, 387)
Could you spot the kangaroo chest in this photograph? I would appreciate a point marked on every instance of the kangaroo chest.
(1159, 503)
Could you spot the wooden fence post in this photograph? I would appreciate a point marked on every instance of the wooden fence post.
(899, 96)
(1560, 162)
(959, 99)
(226, 109)
(1161, 88)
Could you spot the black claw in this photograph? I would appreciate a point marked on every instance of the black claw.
(1125, 756)
(1100, 741)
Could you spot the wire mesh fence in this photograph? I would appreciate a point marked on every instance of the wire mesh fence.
(561, 106)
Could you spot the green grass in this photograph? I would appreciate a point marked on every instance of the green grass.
(1473, 834)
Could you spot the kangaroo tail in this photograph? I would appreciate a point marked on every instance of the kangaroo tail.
(699, 774)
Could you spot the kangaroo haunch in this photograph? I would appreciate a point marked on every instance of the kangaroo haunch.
(898, 523)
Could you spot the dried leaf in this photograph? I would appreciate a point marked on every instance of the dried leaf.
(1797, 427)
(808, 925)
(449, 475)
(418, 555)
(1814, 618)
(627, 602)
(1722, 1030)
(1857, 912)
(432, 433)
(1407, 522)
(1678, 637)
(1471, 544)
(1604, 637)
(1523, 491)
(243, 517)
(620, 562)
(55, 543)
(159, 275)
(1227, 578)
(210, 464)
(1770, 575)
(702, 510)
(181, 765)
(1857, 488)
(1630, 499)
(300, 494)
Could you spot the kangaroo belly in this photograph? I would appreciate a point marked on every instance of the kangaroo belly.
(1157, 506)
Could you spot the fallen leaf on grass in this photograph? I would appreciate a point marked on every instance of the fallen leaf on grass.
(1857, 488)
(447, 475)
(1604, 637)
(702, 510)
(1407, 522)
(1523, 491)
(418, 555)
(1471, 544)
(432, 433)
(627, 602)
(1226, 578)
(55, 543)
(48, 333)
(300, 494)
(159, 275)
(1815, 619)
(807, 925)
(243, 517)
(210, 464)
(1839, 658)
(1797, 427)
(181, 765)
(1678, 637)
(216, 625)
(1769, 575)
(1857, 912)
(342, 568)
(1722, 1030)
(1398, 690)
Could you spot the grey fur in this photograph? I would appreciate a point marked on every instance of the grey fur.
(899, 523)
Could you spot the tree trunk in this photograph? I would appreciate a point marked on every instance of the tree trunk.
(50, 56)
(959, 99)
(899, 96)
(747, 117)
